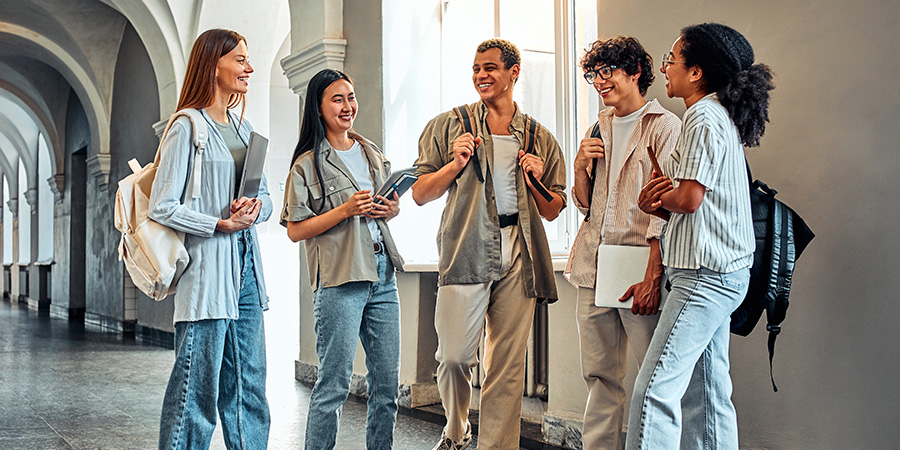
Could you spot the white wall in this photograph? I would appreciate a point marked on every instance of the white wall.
(24, 217)
(7, 224)
(45, 204)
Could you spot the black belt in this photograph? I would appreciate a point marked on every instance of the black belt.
(508, 220)
(379, 247)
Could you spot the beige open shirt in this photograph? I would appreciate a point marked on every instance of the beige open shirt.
(615, 211)
(469, 234)
(345, 252)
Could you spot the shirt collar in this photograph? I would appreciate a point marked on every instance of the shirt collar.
(652, 107)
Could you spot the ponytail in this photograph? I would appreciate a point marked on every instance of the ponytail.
(746, 97)
(727, 61)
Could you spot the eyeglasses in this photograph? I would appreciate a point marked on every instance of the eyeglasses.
(666, 60)
(604, 73)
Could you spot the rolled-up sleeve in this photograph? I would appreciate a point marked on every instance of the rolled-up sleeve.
(665, 142)
(554, 176)
(700, 160)
(296, 197)
(166, 207)
(432, 146)
(266, 210)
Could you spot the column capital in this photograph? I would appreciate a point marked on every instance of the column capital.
(57, 186)
(300, 66)
(13, 204)
(31, 197)
(99, 165)
(159, 127)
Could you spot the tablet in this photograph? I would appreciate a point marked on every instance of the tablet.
(399, 182)
(253, 166)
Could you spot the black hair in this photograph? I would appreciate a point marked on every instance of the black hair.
(727, 61)
(312, 130)
(625, 52)
(509, 54)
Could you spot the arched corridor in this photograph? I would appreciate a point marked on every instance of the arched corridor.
(86, 85)
(90, 389)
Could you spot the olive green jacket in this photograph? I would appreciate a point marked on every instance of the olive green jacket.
(345, 252)
(469, 234)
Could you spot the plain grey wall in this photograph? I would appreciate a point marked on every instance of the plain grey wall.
(135, 107)
(831, 151)
(362, 23)
(77, 136)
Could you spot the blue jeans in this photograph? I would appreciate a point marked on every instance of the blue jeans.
(370, 311)
(219, 364)
(684, 378)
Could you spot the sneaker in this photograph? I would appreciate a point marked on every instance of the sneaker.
(449, 444)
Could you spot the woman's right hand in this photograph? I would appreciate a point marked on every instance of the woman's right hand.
(649, 198)
(242, 218)
(359, 204)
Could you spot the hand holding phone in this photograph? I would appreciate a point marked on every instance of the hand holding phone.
(655, 162)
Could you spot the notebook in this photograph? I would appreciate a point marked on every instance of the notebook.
(399, 182)
(253, 166)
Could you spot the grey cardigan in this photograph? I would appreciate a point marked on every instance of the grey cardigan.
(209, 288)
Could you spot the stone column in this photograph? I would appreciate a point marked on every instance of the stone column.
(316, 43)
(13, 204)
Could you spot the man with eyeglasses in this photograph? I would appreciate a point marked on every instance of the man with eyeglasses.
(494, 259)
(611, 167)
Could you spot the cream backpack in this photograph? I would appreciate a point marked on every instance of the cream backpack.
(154, 254)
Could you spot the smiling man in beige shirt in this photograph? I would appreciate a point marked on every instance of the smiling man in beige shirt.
(607, 192)
(494, 259)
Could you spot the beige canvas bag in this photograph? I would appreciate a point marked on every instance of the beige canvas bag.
(154, 254)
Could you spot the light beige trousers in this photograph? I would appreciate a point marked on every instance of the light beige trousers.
(462, 314)
(605, 335)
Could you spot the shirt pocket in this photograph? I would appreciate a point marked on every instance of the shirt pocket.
(334, 191)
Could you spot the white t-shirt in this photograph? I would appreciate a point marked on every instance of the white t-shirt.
(622, 129)
(359, 169)
(506, 158)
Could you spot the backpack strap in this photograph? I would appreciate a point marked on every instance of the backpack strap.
(530, 135)
(200, 136)
(462, 113)
(595, 133)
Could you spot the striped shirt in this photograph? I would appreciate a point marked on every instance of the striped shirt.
(719, 235)
(614, 208)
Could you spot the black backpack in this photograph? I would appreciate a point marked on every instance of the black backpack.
(781, 235)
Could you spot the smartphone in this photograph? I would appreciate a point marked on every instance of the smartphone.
(655, 162)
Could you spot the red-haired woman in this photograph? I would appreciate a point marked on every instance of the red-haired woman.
(220, 357)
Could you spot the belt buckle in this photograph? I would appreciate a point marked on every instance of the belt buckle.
(379, 247)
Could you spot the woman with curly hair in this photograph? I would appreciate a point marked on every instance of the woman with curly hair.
(707, 245)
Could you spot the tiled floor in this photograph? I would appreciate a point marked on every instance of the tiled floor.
(70, 386)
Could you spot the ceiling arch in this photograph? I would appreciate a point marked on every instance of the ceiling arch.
(79, 77)
(36, 108)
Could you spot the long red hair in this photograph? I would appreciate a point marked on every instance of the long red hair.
(198, 90)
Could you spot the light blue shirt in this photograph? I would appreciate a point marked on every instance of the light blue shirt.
(719, 235)
(210, 286)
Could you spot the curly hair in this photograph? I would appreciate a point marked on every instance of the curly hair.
(727, 61)
(625, 52)
(509, 54)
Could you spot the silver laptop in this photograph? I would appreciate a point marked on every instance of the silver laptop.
(253, 166)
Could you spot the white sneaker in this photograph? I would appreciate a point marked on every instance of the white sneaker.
(449, 444)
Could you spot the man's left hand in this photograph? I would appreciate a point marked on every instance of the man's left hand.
(646, 297)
